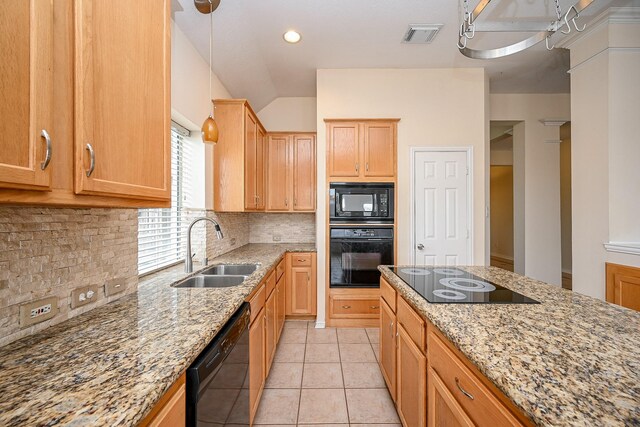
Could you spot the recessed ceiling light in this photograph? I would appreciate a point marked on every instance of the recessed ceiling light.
(292, 36)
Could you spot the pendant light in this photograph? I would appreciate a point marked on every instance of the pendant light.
(210, 127)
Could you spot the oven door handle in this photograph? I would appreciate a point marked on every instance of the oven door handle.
(334, 240)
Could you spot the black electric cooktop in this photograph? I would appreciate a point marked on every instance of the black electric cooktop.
(452, 285)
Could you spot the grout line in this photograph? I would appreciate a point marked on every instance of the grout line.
(344, 385)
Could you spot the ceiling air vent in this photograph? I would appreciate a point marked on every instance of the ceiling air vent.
(421, 33)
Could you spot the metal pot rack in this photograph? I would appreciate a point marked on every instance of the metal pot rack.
(543, 30)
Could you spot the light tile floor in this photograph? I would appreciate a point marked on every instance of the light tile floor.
(326, 377)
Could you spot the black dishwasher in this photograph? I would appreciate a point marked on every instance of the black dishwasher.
(218, 380)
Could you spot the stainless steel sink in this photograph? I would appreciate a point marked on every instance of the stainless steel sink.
(231, 269)
(202, 281)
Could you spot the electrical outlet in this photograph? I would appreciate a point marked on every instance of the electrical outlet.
(38, 311)
(114, 287)
(276, 238)
(84, 295)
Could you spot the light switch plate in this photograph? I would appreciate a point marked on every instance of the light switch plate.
(38, 311)
(84, 295)
(114, 287)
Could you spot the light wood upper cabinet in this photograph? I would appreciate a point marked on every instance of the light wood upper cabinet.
(361, 150)
(304, 172)
(291, 172)
(278, 173)
(26, 84)
(343, 149)
(239, 158)
(379, 149)
(250, 161)
(122, 99)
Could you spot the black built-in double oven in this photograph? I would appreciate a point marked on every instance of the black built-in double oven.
(361, 233)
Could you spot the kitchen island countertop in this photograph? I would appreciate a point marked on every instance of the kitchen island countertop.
(111, 365)
(571, 360)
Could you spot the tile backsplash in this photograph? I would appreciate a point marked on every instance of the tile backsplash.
(283, 227)
(50, 252)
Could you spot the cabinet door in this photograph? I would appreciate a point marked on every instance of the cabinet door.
(343, 151)
(271, 327)
(261, 156)
(388, 347)
(301, 290)
(444, 410)
(304, 173)
(256, 361)
(379, 149)
(278, 167)
(412, 381)
(250, 161)
(280, 289)
(122, 99)
(26, 74)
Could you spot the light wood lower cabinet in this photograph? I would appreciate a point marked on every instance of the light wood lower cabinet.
(281, 304)
(301, 284)
(257, 371)
(388, 347)
(444, 410)
(271, 326)
(353, 307)
(171, 410)
(411, 395)
(623, 285)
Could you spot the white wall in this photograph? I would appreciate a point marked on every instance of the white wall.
(289, 114)
(190, 106)
(429, 105)
(605, 176)
(542, 237)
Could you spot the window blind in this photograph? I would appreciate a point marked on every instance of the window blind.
(161, 231)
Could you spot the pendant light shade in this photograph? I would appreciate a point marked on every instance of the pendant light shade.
(210, 131)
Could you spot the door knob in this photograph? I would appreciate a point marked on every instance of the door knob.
(420, 246)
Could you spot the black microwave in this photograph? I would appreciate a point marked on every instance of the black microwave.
(361, 202)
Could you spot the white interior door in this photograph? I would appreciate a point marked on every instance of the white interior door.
(441, 208)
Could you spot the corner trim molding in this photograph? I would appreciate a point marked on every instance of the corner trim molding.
(320, 325)
(632, 248)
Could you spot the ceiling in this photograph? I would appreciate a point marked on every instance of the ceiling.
(252, 60)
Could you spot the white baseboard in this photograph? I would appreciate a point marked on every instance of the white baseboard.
(320, 325)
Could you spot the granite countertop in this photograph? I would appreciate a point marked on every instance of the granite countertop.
(571, 360)
(110, 365)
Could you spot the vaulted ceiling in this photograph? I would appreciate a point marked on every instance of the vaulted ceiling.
(252, 60)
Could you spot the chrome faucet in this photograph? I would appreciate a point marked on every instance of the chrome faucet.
(188, 261)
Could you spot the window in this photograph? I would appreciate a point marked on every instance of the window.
(161, 232)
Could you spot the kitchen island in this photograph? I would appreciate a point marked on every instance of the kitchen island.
(110, 366)
(571, 360)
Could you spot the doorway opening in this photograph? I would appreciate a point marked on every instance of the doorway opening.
(502, 195)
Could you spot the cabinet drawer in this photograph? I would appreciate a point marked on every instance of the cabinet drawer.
(271, 283)
(412, 323)
(300, 259)
(257, 301)
(474, 397)
(388, 293)
(349, 307)
(280, 270)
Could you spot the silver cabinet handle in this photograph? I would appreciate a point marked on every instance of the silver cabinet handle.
(346, 307)
(47, 157)
(366, 166)
(92, 158)
(357, 167)
(286, 201)
(295, 202)
(374, 306)
(463, 391)
(420, 246)
(391, 329)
